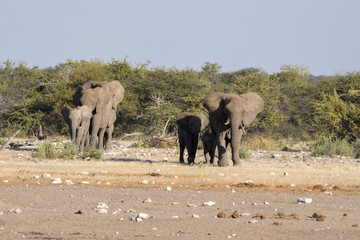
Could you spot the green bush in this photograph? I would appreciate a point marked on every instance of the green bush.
(69, 150)
(45, 150)
(93, 153)
(244, 153)
(331, 148)
(356, 148)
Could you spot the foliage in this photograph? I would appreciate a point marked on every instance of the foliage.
(356, 148)
(45, 150)
(331, 148)
(298, 105)
(244, 153)
(69, 150)
(92, 153)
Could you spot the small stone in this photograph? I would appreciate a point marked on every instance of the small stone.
(148, 200)
(345, 215)
(191, 205)
(245, 214)
(142, 215)
(355, 225)
(286, 173)
(56, 181)
(257, 215)
(235, 214)
(304, 200)
(168, 189)
(264, 217)
(87, 159)
(46, 175)
(253, 221)
(278, 223)
(221, 215)
(84, 182)
(79, 212)
(195, 216)
(266, 203)
(69, 182)
(210, 203)
(175, 217)
(16, 210)
(175, 203)
(144, 182)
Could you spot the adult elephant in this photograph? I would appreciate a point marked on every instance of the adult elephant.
(99, 96)
(229, 114)
(78, 120)
(189, 127)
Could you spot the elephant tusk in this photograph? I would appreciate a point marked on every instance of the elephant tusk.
(227, 122)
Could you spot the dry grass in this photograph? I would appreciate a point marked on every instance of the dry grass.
(118, 171)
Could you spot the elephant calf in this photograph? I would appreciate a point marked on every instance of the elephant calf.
(209, 143)
(189, 127)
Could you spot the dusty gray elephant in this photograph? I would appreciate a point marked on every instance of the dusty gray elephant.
(229, 114)
(189, 127)
(98, 96)
(78, 120)
(209, 143)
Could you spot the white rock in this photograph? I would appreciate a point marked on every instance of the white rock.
(84, 182)
(15, 210)
(245, 214)
(253, 221)
(175, 203)
(168, 188)
(56, 181)
(221, 174)
(328, 193)
(46, 175)
(85, 173)
(6, 181)
(176, 177)
(157, 170)
(304, 200)
(175, 217)
(191, 205)
(286, 173)
(102, 206)
(101, 210)
(142, 215)
(266, 203)
(292, 185)
(248, 181)
(148, 200)
(87, 159)
(138, 219)
(144, 182)
(210, 203)
(195, 216)
(35, 177)
(272, 173)
(116, 211)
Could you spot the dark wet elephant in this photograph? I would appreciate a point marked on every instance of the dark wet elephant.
(189, 127)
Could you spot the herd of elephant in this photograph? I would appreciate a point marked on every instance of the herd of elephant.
(91, 123)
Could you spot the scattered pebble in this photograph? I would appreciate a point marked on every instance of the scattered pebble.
(148, 200)
(253, 221)
(286, 173)
(304, 200)
(16, 210)
(144, 182)
(101, 208)
(278, 223)
(46, 175)
(56, 181)
(168, 189)
(245, 214)
(175, 217)
(84, 182)
(221, 215)
(195, 216)
(355, 225)
(142, 215)
(210, 203)
(235, 214)
(191, 205)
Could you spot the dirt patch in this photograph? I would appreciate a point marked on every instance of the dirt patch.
(147, 194)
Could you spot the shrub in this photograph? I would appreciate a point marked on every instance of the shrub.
(331, 148)
(93, 153)
(244, 153)
(356, 148)
(45, 150)
(69, 150)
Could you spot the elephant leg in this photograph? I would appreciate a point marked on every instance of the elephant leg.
(206, 153)
(212, 153)
(182, 145)
(235, 147)
(95, 130)
(191, 141)
(109, 132)
(221, 144)
(101, 138)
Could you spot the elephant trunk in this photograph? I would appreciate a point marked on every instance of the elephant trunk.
(73, 132)
(236, 134)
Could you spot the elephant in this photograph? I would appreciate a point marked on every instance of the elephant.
(228, 115)
(106, 127)
(209, 143)
(99, 96)
(78, 120)
(189, 127)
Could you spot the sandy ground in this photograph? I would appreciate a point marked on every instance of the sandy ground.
(58, 199)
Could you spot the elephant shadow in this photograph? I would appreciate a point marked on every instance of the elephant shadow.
(135, 160)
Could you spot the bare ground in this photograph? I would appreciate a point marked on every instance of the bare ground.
(266, 184)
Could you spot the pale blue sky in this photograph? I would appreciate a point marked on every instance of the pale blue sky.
(321, 34)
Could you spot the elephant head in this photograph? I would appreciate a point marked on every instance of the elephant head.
(78, 120)
(189, 127)
(229, 114)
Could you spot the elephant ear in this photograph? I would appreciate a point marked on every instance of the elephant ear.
(254, 105)
(183, 121)
(65, 111)
(118, 92)
(204, 120)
